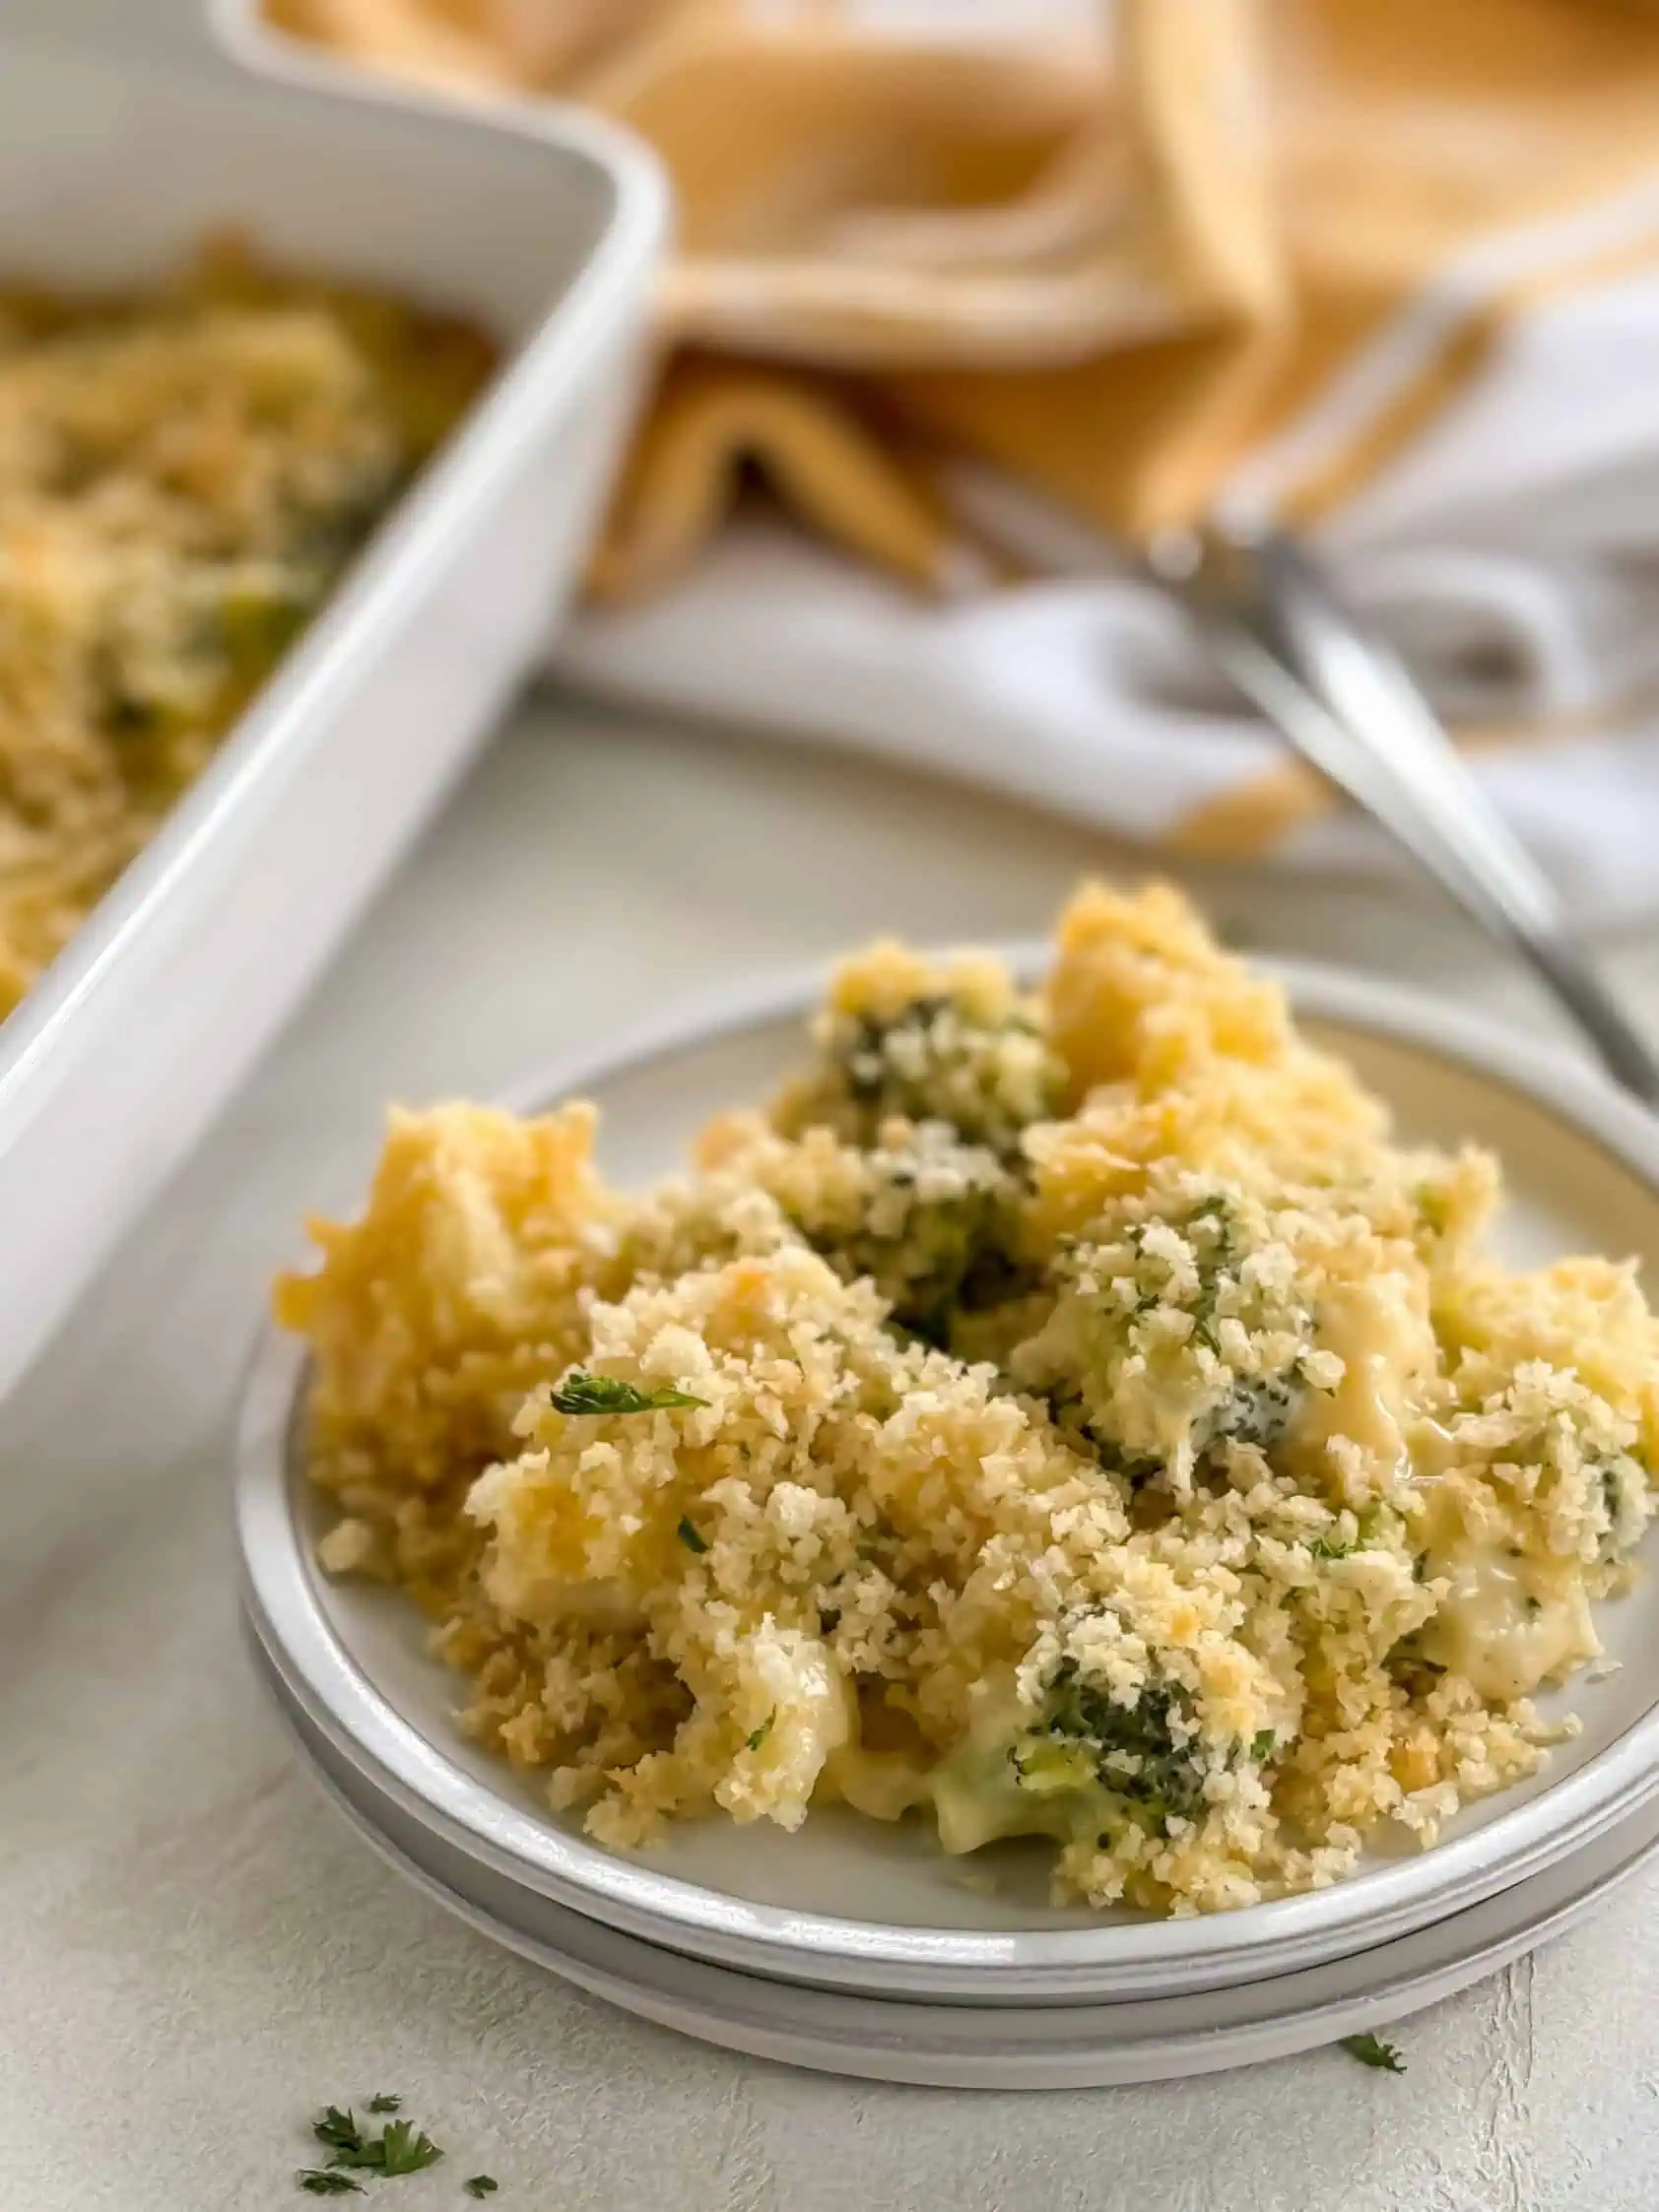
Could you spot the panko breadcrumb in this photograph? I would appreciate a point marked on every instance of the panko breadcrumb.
(183, 475)
(1066, 1414)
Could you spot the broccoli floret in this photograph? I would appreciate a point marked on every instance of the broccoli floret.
(1410, 1667)
(1256, 1412)
(933, 1218)
(1145, 1752)
(934, 1062)
(1067, 1410)
(1176, 1333)
(866, 1050)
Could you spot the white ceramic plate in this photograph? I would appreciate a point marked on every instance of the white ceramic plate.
(854, 1904)
(981, 2047)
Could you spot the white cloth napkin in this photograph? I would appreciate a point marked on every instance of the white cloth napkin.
(1512, 553)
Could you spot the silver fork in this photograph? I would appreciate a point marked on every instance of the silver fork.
(1346, 701)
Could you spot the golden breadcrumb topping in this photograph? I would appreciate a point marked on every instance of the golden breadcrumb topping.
(183, 476)
(1066, 1414)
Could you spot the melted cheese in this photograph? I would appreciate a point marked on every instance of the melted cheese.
(976, 1794)
(1379, 1330)
(881, 1784)
(978, 1798)
(1511, 1619)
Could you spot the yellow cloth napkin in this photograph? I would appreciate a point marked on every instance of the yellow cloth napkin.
(1111, 250)
(1135, 255)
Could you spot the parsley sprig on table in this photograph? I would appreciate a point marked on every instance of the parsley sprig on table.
(603, 1394)
(1372, 2051)
(337, 2130)
(398, 2148)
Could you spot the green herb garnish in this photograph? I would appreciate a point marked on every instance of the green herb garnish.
(1256, 1412)
(1261, 1745)
(602, 1393)
(481, 2185)
(385, 2104)
(338, 2130)
(692, 1537)
(399, 2148)
(318, 2181)
(402, 2149)
(1216, 1213)
(1372, 2051)
(761, 1734)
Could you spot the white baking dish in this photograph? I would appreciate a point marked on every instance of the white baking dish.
(125, 133)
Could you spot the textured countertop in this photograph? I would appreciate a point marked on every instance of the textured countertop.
(196, 1951)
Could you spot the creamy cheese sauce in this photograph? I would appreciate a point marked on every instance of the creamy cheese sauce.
(1382, 1337)
(1510, 1621)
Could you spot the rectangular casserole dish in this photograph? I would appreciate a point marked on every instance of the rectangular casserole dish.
(125, 135)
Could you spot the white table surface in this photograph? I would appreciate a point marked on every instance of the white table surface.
(196, 1953)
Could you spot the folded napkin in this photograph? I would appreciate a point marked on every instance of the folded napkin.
(979, 293)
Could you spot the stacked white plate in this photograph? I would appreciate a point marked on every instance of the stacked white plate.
(858, 1947)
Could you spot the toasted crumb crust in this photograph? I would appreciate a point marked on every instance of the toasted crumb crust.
(1098, 1429)
(183, 475)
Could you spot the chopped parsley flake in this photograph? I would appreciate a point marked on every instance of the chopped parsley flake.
(692, 1537)
(320, 2180)
(761, 1734)
(481, 2185)
(385, 2104)
(1372, 2051)
(603, 1394)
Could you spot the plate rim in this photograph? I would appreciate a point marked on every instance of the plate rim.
(1102, 2046)
(281, 1591)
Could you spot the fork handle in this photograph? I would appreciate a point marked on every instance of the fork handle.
(1348, 704)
